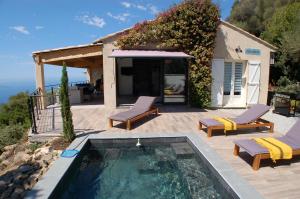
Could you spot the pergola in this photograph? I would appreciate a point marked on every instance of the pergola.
(84, 56)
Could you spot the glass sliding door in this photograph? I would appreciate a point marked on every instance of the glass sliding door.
(174, 81)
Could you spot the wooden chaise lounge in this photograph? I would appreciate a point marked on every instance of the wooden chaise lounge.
(142, 108)
(251, 118)
(258, 152)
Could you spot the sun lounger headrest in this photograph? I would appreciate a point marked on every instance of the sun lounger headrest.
(144, 103)
(252, 114)
(294, 132)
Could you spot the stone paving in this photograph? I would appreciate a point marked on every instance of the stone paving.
(272, 181)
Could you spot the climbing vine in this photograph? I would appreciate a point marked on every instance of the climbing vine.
(190, 27)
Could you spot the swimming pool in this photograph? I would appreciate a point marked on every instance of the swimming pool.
(166, 163)
(160, 168)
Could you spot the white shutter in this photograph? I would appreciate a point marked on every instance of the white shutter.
(217, 82)
(253, 82)
(227, 78)
(238, 77)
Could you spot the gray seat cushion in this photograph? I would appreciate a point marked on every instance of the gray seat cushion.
(211, 122)
(250, 115)
(142, 105)
(126, 115)
(253, 148)
(294, 132)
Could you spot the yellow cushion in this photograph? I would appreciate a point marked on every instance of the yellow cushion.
(278, 150)
(228, 124)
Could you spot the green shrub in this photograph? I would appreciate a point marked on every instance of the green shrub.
(191, 27)
(15, 111)
(14, 119)
(34, 146)
(291, 88)
(10, 135)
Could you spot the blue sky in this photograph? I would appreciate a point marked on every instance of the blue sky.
(31, 25)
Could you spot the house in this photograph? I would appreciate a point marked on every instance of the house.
(240, 69)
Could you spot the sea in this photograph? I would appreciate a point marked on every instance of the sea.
(12, 87)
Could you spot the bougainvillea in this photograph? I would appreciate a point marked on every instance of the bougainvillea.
(191, 27)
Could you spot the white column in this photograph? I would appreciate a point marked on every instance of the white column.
(40, 81)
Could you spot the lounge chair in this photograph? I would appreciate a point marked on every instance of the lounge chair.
(142, 108)
(258, 152)
(249, 119)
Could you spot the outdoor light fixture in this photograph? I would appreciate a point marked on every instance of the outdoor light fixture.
(238, 50)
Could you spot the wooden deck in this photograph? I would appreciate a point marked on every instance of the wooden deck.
(280, 181)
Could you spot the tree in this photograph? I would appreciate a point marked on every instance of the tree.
(283, 31)
(278, 22)
(68, 129)
(253, 15)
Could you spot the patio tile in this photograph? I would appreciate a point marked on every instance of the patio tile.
(280, 181)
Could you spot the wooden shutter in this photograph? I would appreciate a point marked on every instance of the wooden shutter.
(217, 82)
(253, 82)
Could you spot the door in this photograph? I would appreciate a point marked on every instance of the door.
(146, 78)
(217, 82)
(233, 88)
(253, 83)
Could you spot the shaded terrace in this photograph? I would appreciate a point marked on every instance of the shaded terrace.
(88, 57)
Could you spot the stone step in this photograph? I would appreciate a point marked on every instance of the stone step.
(183, 150)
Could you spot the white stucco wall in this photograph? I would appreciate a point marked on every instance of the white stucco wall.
(109, 74)
(228, 39)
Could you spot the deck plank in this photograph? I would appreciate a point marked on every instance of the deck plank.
(281, 181)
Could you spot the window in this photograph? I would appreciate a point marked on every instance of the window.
(227, 77)
(238, 74)
(233, 77)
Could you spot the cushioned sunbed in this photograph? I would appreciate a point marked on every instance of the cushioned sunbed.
(142, 108)
(292, 138)
(251, 118)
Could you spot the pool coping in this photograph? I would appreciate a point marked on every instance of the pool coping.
(47, 184)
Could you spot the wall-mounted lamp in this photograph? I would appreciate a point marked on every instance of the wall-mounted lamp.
(238, 50)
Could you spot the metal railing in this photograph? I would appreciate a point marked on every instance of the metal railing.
(38, 102)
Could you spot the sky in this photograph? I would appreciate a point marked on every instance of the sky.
(32, 25)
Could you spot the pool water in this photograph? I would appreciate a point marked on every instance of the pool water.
(157, 170)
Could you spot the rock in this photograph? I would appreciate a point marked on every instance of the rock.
(28, 151)
(5, 155)
(7, 192)
(43, 171)
(17, 192)
(45, 150)
(5, 163)
(3, 185)
(22, 157)
(25, 168)
(20, 176)
(34, 178)
(10, 147)
(37, 156)
(47, 159)
(7, 178)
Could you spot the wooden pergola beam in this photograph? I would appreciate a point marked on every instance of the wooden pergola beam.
(51, 56)
(78, 62)
(70, 57)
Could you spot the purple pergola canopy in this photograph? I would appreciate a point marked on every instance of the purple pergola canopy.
(148, 53)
